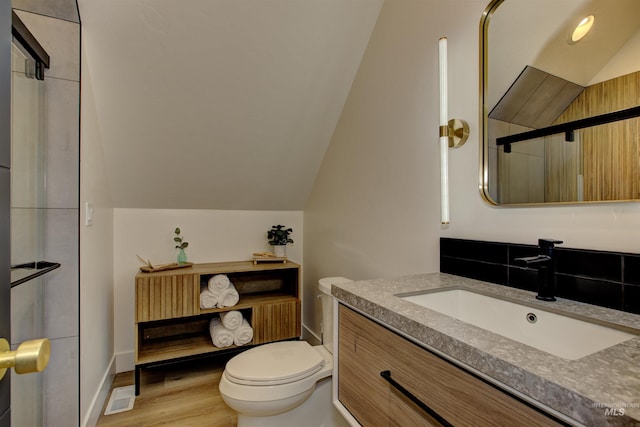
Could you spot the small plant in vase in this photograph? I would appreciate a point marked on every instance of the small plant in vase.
(181, 245)
(278, 238)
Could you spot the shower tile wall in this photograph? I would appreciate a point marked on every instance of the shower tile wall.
(59, 34)
(519, 177)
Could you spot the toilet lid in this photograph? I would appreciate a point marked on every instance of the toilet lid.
(275, 363)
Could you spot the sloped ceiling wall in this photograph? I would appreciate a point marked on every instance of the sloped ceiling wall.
(61, 9)
(522, 32)
(220, 104)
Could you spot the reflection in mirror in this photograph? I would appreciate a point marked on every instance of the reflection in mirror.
(560, 115)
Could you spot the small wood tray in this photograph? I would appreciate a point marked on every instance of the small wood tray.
(174, 266)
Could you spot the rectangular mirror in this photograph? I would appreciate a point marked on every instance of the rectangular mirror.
(560, 115)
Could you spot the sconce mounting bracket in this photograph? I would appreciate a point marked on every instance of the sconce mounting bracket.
(458, 133)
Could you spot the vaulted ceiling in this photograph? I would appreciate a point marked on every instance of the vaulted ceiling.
(219, 104)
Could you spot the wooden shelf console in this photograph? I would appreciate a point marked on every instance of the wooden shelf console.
(171, 326)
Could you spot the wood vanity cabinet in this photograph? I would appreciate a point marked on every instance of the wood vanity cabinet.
(171, 326)
(366, 349)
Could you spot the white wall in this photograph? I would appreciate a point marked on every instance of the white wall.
(374, 210)
(624, 62)
(213, 89)
(97, 364)
(213, 236)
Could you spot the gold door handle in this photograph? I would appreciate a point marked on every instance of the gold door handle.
(30, 356)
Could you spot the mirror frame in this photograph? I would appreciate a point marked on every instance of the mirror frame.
(484, 124)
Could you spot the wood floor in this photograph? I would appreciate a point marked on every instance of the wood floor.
(184, 395)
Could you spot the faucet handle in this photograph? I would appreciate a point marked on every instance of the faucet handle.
(546, 246)
(548, 243)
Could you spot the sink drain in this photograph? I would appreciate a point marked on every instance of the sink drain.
(532, 318)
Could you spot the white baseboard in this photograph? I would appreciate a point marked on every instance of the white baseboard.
(100, 396)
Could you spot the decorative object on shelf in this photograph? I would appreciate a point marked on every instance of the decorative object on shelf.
(278, 238)
(268, 257)
(150, 268)
(453, 133)
(181, 245)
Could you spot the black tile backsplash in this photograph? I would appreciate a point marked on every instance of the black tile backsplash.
(522, 278)
(631, 298)
(520, 251)
(593, 264)
(631, 269)
(607, 279)
(488, 272)
(591, 291)
(496, 253)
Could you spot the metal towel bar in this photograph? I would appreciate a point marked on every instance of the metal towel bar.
(569, 127)
(36, 268)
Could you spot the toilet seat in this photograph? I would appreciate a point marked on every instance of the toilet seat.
(274, 364)
(258, 394)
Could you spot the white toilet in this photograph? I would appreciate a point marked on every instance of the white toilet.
(286, 383)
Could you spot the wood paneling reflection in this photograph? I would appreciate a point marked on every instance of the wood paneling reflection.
(610, 152)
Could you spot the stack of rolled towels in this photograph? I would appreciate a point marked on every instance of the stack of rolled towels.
(218, 292)
(230, 328)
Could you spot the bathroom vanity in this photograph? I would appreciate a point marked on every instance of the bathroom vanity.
(421, 367)
(170, 326)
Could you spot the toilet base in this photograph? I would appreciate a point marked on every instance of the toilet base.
(316, 411)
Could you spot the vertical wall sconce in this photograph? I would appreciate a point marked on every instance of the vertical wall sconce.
(453, 133)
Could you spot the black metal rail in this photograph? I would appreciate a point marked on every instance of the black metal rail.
(569, 127)
(29, 42)
(39, 267)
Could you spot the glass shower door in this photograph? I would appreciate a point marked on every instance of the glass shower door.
(28, 181)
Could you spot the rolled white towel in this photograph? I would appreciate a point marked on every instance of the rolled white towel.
(228, 298)
(218, 283)
(207, 298)
(221, 336)
(243, 334)
(231, 319)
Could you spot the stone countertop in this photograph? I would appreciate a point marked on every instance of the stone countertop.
(580, 389)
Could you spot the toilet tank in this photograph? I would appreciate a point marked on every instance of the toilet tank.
(324, 285)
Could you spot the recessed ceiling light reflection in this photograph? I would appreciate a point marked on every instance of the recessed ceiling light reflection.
(582, 29)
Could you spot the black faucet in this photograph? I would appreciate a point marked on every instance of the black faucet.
(546, 265)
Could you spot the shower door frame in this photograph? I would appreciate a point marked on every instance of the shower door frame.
(5, 191)
(19, 32)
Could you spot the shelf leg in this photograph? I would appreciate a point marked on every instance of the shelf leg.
(137, 380)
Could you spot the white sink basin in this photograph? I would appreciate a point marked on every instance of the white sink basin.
(556, 334)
